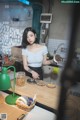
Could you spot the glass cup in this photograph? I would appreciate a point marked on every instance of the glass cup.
(20, 78)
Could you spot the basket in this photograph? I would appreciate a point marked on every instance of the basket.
(24, 106)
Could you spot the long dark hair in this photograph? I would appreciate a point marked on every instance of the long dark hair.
(24, 37)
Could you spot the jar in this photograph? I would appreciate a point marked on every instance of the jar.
(20, 78)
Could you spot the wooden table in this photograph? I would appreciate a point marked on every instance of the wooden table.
(46, 96)
(11, 111)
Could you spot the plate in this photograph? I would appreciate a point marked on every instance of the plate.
(51, 85)
(40, 83)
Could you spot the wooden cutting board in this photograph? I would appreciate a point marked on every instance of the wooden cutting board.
(12, 113)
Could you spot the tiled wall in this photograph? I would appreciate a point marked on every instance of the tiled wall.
(61, 47)
(10, 30)
(54, 44)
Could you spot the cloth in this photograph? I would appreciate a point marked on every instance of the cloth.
(35, 59)
(36, 69)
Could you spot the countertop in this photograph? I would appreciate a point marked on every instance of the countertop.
(12, 112)
(45, 96)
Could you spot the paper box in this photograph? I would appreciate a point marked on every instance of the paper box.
(16, 52)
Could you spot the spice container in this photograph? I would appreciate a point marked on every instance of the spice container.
(20, 78)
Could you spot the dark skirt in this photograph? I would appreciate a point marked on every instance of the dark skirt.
(39, 70)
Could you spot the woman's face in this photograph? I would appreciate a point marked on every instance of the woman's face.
(31, 37)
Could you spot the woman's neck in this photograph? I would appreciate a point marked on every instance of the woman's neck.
(32, 45)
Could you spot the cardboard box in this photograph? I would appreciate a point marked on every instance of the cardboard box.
(16, 53)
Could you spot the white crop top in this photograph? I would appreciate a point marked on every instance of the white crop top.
(35, 59)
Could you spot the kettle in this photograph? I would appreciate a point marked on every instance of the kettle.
(5, 82)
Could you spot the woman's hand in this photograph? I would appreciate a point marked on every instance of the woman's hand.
(46, 61)
(35, 75)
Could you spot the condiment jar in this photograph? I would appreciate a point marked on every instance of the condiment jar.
(20, 78)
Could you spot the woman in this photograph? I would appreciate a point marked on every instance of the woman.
(34, 55)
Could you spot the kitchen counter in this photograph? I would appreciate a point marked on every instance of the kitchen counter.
(46, 97)
(12, 112)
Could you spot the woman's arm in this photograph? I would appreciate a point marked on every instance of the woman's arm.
(35, 75)
(25, 65)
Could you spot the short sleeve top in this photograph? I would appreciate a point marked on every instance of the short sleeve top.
(35, 59)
